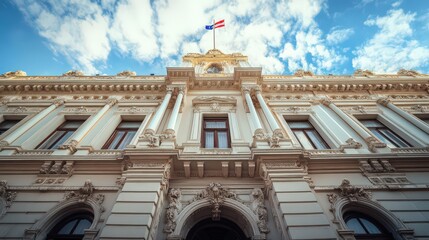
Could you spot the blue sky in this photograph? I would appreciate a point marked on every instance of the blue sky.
(50, 37)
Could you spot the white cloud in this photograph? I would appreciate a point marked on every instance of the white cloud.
(162, 31)
(392, 47)
(339, 35)
(310, 53)
(397, 3)
(77, 30)
(133, 30)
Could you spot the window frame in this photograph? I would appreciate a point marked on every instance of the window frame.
(215, 130)
(385, 128)
(60, 128)
(3, 130)
(383, 235)
(115, 133)
(54, 235)
(305, 130)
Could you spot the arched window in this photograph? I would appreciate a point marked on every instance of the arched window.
(366, 227)
(71, 227)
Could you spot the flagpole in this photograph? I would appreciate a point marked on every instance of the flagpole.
(214, 35)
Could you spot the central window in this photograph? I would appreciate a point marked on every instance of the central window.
(122, 135)
(60, 135)
(216, 132)
(307, 136)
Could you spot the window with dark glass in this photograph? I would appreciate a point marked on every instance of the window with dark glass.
(365, 227)
(72, 228)
(385, 134)
(60, 135)
(216, 133)
(307, 136)
(7, 124)
(122, 135)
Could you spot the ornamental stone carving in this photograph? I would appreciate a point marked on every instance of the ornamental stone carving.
(126, 73)
(404, 72)
(216, 194)
(350, 192)
(18, 73)
(73, 73)
(365, 73)
(173, 209)
(84, 193)
(302, 73)
(6, 195)
(259, 209)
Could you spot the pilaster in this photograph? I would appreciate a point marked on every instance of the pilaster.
(297, 212)
(137, 210)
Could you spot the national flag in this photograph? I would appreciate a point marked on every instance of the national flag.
(217, 24)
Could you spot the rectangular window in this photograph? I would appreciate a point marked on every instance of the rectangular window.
(216, 132)
(385, 134)
(61, 134)
(122, 135)
(7, 124)
(307, 136)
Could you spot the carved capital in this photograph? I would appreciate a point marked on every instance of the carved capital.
(111, 101)
(58, 102)
(326, 102)
(383, 101)
(169, 89)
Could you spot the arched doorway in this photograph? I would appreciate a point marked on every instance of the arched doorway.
(213, 230)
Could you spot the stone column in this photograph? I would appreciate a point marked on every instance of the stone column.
(270, 117)
(30, 123)
(252, 110)
(173, 117)
(157, 117)
(83, 130)
(409, 117)
(372, 141)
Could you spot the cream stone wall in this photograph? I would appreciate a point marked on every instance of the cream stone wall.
(165, 182)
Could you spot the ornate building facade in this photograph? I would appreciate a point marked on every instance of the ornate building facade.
(214, 150)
